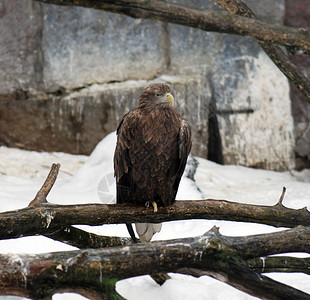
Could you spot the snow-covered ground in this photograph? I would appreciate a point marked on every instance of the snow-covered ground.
(85, 179)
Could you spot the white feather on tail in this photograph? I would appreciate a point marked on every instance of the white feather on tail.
(147, 230)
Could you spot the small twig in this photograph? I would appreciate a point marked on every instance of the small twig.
(279, 204)
(46, 187)
(160, 278)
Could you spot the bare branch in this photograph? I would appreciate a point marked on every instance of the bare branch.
(39, 219)
(272, 243)
(246, 280)
(46, 187)
(95, 272)
(286, 264)
(218, 21)
(273, 51)
(55, 220)
(208, 20)
(82, 239)
(281, 198)
(95, 268)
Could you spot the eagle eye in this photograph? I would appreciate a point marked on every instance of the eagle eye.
(157, 95)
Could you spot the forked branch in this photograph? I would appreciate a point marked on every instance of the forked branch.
(42, 218)
(100, 268)
(94, 272)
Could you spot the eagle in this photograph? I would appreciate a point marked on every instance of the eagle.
(153, 143)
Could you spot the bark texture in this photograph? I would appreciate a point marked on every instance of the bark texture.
(94, 272)
(98, 269)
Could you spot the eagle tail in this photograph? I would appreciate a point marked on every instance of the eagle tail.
(147, 230)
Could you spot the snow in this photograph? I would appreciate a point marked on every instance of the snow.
(90, 179)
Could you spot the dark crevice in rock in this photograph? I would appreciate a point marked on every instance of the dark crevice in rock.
(215, 152)
(165, 45)
(235, 111)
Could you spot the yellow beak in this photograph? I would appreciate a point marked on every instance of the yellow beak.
(169, 98)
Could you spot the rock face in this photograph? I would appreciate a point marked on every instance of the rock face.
(258, 128)
(250, 120)
(20, 53)
(297, 15)
(86, 68)
(80, 119)
(98, 47)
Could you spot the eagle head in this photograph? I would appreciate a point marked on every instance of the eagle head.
(156, 93)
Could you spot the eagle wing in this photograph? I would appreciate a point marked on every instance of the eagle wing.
(185, 145)
(122, 163)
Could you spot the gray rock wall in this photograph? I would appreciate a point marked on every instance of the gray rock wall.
(20, 51)
(84, 46)
(86, 68)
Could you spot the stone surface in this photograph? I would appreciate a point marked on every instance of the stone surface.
(77, 122)
(252, 101)
(85, 46)
(250, 121)
(20, 56)
(195, 51)
(297, 15)
(262, 136)
(235, 74)
(268, 11)
(85, 68)
(192, 50)
(193, 96)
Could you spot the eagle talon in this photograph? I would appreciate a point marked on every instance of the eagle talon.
(155, 206)
(153, 203)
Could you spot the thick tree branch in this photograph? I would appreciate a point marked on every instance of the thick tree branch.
(217, 21)
(291, 240)
(94, 272)
(286, 264)
(273, 51)
(95, 268)
(41, 218)
(82, 239)
(208, 20)
(242, 278)
(55, 220)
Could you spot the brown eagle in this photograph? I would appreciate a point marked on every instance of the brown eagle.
(153, 143)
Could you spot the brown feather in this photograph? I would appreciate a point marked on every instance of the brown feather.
(153, 144)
